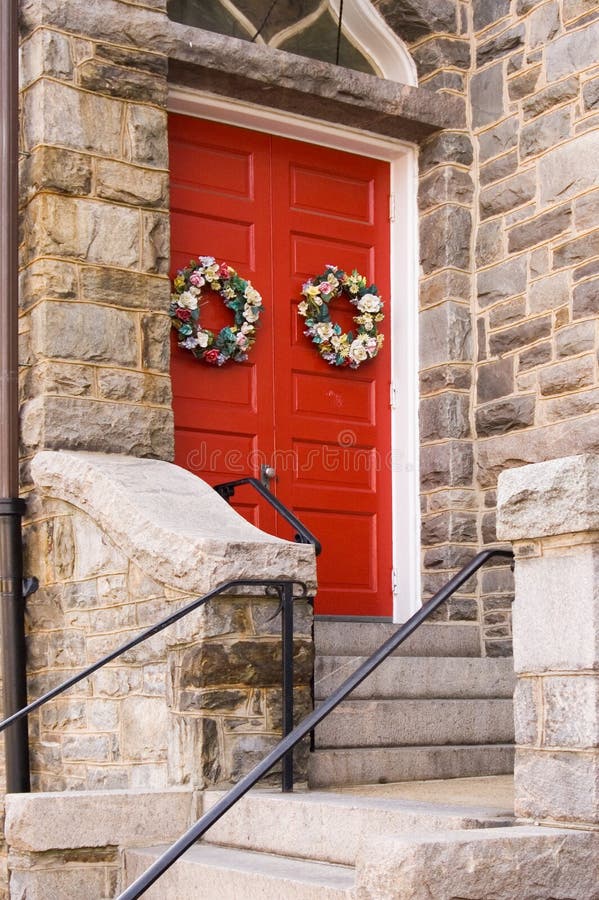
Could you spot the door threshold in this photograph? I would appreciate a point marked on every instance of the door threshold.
(323, 618)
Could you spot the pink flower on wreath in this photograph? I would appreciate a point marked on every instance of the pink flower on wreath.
(325, 287)
(223, 270)
(197, 280)
(183, 314)
(211, 356)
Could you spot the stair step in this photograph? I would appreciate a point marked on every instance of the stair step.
(337, 637)
(328, 826)
(397, 723)
(419, 677)
(371, 765)
(207, 872)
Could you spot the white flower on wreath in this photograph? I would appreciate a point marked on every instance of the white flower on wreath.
(324, 330)
(207, 260)
(369, 303)
(247, 328)
(250, 313)
(187, 300)
(203, 339)
(357, 351)
(252, 297)
(302, 308)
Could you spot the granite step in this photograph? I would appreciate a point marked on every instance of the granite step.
(339, 637)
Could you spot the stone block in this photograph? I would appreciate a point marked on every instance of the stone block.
(572, 52)
(255, 663)
(543, 25)
(146, 506)
(82, 230)
(40, 822)
(155, 252)
(445, 185)
(88, 879)
(45, 53)
(495, 379)
(443, 416)
(550, 292)
(575, 339)
(488, 12)
(573, 9)
(580, 404)
(446, 335)
(486, 95)
(554, 497)
(571, 712)
(505, 415)
(590, 94)
(585, 299)
(118, 384)
(446, 465)
(458, 377)
(567, 376)
(586, 211)
(47, 278)
(116, 287)
(441, 53)
(550, 96)
(83, 331)
(133, 57)
(524, 84)
(507, 195)
(528, 711)
(117, 81)
(78, 423)
(446, 285)
(144, 724)
(499, 139)
(55, 113)
(506, 313)
(447, 147)
(577, 250)
(57, 170)
(131, 185)
(500, 44)
(489, 243)
(498, 863)
(59, 378)
(499, 168)
(558, 786)
(155, 348)
(517, 336)
(570, 169)
(445, 238)
(146, 136)
(417, 19)
(540, 229)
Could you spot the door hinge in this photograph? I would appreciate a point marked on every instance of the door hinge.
(393, 395)
(394, 584)
(392, 207)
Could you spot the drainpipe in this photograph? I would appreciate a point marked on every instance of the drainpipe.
(11, 507)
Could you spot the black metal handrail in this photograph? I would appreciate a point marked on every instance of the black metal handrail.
(166, 860)
(283, 589)
(303, 535)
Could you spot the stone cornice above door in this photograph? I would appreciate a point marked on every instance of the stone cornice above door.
(243, 71)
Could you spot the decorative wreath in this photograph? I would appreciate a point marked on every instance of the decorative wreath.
(336, 347)
(232, 342)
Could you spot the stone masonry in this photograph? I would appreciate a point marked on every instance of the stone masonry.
(550, 511)
(126, 542)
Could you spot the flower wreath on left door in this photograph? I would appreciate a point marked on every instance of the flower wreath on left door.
(233, 341)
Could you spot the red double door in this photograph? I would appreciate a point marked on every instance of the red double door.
(278, 211)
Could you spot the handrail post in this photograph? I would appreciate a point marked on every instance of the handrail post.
(287, 681)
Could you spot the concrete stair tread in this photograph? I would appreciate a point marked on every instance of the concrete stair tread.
(329, 825)
(221, 873)
(419, 677)
(350, 638)
(390, 723)
(338, 766)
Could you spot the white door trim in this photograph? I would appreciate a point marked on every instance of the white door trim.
(403, 303)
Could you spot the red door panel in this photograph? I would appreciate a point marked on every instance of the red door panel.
(279, 211)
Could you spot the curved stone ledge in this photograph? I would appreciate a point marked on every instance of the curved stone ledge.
(170, 522)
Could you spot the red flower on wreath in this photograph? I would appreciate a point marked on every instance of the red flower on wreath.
(211, 356)
(183, 314)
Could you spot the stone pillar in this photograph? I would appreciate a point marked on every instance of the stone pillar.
(550, 511)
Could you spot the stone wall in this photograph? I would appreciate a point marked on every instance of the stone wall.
(197, 704)
(534, 95)
(95, 238)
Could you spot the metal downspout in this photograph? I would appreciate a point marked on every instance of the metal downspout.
(11, 507)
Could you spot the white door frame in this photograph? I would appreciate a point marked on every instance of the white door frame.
(403, 304)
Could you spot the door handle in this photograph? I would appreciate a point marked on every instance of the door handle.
(267, 474)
